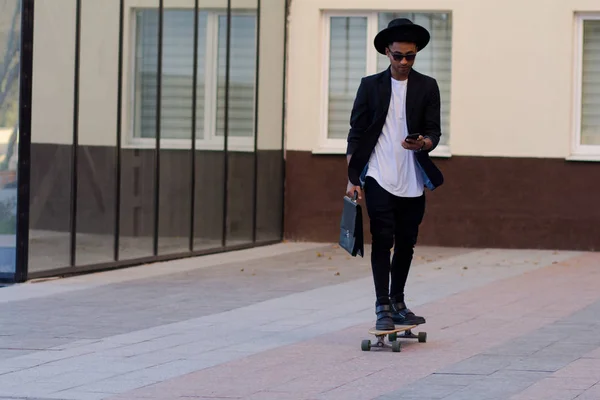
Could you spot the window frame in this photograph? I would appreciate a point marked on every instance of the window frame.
(580, 152)
(210, 140)
(326, 145)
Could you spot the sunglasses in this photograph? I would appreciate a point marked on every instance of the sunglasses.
(400, 56)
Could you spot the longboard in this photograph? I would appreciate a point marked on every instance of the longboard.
(392, 337)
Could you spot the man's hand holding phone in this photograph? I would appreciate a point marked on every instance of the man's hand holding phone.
(416, 141)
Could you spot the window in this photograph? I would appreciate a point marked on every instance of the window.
(587, 110)
(349, 55)
(347, 65)
(177, 79)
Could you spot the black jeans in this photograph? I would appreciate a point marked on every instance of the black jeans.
(394, 222)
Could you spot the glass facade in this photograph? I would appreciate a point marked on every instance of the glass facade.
(155, 132)
(10, 67)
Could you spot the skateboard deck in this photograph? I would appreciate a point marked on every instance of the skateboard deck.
(393, 336)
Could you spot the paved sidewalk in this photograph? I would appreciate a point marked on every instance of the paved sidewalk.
(286, 322)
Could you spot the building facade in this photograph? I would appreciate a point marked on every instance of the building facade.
(520, 88)
(142, 130)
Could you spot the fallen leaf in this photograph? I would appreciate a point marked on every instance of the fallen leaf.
(465, 267)
(319, 255)
(242, 270)
(337, 274)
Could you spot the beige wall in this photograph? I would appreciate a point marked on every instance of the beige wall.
(512, 72)
(54, 58)
(271, 74)
(53, 63)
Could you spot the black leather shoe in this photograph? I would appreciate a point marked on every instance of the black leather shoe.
(384, 317)
(402, 315)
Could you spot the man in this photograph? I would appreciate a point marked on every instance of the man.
(392, 168)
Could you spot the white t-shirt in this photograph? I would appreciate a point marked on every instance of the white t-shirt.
(391, 165)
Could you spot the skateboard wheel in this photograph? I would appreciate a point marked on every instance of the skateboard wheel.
(422, 337)
(365, 345)
(395, 347)
(392, 337)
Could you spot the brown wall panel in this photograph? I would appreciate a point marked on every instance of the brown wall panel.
(269, 207)
(485, 202)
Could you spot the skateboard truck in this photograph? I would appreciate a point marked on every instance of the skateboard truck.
(393, 336)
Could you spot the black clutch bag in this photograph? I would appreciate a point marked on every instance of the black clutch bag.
(351, 227)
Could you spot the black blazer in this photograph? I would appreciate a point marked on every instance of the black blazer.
(370, 111)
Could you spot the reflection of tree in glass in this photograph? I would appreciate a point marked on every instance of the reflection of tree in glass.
(8, 217)
(10, 39)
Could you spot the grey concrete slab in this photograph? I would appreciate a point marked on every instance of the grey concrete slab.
(29, 398)
(499, 385)
(542, 363)
(39, 389)
(567, 347)
(443, 379)
(434, 386)
(112, 386)
(481, 364)
(73, 394)
(421, 391)
(592, 393)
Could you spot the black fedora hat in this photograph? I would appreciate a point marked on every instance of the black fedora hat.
(402, 30)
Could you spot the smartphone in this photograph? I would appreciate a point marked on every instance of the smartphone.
(413, 136)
